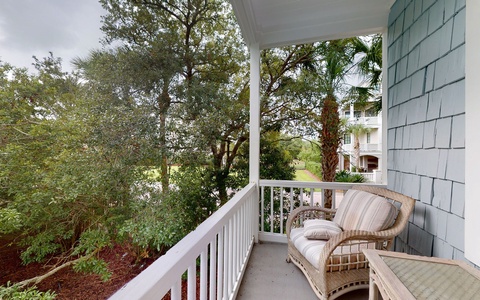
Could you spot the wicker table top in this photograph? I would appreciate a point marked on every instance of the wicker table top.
(417, 277)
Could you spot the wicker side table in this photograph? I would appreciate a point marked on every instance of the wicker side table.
(401, 276)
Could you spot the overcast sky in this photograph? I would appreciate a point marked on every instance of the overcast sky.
(68, 28)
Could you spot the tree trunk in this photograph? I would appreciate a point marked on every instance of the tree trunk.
(329, 143)
(356, 152)
(163, 105)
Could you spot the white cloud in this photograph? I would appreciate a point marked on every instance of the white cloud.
(68, 28)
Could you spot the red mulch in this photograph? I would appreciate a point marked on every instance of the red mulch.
(66, 283)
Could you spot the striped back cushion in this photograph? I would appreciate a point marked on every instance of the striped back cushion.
(361, 210)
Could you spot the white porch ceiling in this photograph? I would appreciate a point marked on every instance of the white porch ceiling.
(276, 23)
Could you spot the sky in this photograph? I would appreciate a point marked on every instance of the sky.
(68, 28)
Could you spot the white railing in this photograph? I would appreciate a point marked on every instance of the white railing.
(363, 147)
(365, 120)
(221, 246)
(368, 176)
(277, 201)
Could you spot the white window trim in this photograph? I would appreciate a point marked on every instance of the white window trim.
(472, 137)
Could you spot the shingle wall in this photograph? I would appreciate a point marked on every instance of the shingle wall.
(426, 122)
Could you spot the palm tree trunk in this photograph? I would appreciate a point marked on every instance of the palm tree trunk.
(356, 152)
(329, 143)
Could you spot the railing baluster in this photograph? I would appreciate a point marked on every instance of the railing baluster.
(262, 208)
(230, 258)
(213, 268)
(291, 199)
(281, 210)
(234, 246)
(221, 264)
(203, 274)
(312, 193)
(192, 282)
(322, 197)
(176, 291)
(334, 198)
(271, 210)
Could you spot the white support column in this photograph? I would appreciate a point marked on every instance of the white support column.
(472, 137)
(383, 128)
(352, 113)
(254, 159)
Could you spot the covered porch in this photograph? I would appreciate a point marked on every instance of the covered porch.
(239, 252)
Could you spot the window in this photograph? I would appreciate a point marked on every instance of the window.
(368, 137)
(347, 139)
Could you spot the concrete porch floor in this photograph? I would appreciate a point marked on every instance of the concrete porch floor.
(269, 276)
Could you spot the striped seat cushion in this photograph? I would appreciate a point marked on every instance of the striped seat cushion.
(343, 257)
(318, 229)
(361, 210)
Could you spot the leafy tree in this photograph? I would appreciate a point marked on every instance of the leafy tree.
(65, 161)
(170, 33)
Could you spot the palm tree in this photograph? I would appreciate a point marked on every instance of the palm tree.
(369, 66)
(335, 63)
(357, 130)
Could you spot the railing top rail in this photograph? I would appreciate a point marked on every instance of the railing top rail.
(147, 285)
(313, 184)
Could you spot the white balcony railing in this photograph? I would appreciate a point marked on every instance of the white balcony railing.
(278, 198)
(372, 121)
(222, 244)
(363, 147)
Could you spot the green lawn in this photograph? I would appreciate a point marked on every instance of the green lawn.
(303, 175)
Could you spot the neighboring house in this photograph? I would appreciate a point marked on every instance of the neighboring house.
(370, 142)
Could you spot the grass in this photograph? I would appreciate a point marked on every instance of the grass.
(303, 175)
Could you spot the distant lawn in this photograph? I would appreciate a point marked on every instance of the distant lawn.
(303, 175)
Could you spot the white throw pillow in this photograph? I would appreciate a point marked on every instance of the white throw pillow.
(318, 229)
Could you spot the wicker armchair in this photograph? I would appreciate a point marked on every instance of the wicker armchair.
(342, 267)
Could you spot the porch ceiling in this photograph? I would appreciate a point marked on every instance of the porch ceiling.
(276, 23)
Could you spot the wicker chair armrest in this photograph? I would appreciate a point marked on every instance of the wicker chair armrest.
(344, 237)
(300, 214)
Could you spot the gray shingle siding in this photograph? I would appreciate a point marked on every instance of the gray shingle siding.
(426, 122)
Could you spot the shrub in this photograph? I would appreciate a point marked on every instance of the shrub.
(14, 292)
(345, 176)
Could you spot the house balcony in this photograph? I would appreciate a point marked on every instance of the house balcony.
(364, 148)
(239, 252)
(374, 122)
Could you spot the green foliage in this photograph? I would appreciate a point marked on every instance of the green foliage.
(14, 292)
(314, 168)
(95, 266)
(68, 162)
(161, 220)
(10, 220)
(276, 162)
(345, 176)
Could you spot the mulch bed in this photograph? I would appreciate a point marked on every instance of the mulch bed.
(67, 283)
